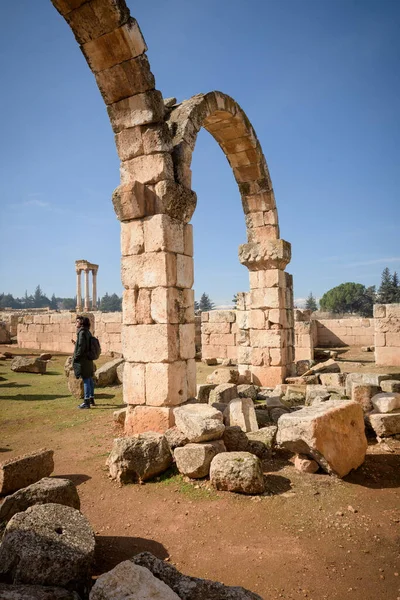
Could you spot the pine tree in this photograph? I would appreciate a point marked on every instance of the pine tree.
(205, 303)
(235, 300)
(396, 287)
(196, 306)
(311, 303)
(386, 292)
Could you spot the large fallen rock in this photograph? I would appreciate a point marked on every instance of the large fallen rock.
(240, 412)
(19, 472)
(47, 490)
(332, 433)
(191, 588)
(35, 592)
(385, 424)
(107, 374)
(194, 460)
(48, 544)
(129, 580)
(223, 375)
(386, 402)
(264, 437)
(199, 422)
(139, 457)
(223, 393)
(75, 386)
(28, 364)
(329, 366)
(367, 378)
(203, 392)
(316, 391)
(235, 439)
(237, 472)
(247, 390)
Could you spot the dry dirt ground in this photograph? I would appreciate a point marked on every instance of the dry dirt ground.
(310, 536)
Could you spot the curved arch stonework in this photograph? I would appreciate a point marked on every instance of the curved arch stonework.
(155, 139)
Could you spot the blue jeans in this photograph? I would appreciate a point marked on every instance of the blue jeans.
(88, 388)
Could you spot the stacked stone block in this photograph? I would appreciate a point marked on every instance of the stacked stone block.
(387, 334)
(219, 334)
(356, 331)
(305, 331)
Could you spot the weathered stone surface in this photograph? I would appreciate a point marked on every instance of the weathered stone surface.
(266, 436)
(332, 433)
(302, 366)
(235, 439)
(276, 413)
(203, 392)
(191, 588)
(385, 424)
(240, 412)
(305, 465)
(263, 417)
(68, 366)
(120, 373)
(75, 386)
(295, 395)
(19, 472)
(47, 490)
(246, 390)
(139, 457)
(45, 356)
(237, 472)
(367, 378)
(329, 366)
(223, 375)
(35, 592)
(194, 460)
(175, 438)
(314, 391)
(107, 374)
(271, 254)
(386, 402)
(199, 422)
(223, 393)
(119, 416)
(303, 380)
(28, 364)
(48, 544)
(5, 337)
(390, 385)
(129, 580)
(333, 379)
(362, 394)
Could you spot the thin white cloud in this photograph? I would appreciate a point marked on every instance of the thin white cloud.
(37, 203)
(374, 261)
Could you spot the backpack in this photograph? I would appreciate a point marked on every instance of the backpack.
(94, 348)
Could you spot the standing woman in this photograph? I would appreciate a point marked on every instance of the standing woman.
(82, 365)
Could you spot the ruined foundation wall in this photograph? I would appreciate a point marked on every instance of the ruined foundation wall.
(305, 332)
(219, 334)
(387, 334)
(356, 331)
(54, 331)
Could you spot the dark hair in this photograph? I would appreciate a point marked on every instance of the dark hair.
(85, 322)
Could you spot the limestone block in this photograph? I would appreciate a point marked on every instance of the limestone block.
(199, 422)
(237, 472)
(149, 270)
(161, 232)
(28, 364)
(191, 373)
(149, 168)
(133, 201)
(223, 375)
(267, 376)
(244, 355)
(386, 402)
(138, 458)
(172, 305)
(222, 316)
(150, 343)
(362, 394)
(184, 271)
(65, 6)
(266, 298)
(260, 356)
(393, 340)
(263, 234)
(379, 311)
(166, 384)
(129, 143)
(203, 392)
(240, 412)
(125, 79)
(115, 47)
(267, 279)
(134, 383)
(222, 339)
(305, 465)
(186, 341)
(125, 577)
(332, 433)
(194, 460)
(93, 19)
(19, 472)
(148, 418)
(333, 379)
(277, 356)
(390, 385)
(132, 238)
(208, 328)
(107, 374)
(30, 550)
(388, 356)
(214, 351)
(266, 338)
(188, 240)
(176, 200)
(272, 254)
(141, 109)
(223, 393)
(385, 424)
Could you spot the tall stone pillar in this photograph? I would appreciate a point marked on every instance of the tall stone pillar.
(94, 289)
(158, 320)
(270, 326)
(86, 305)
(78, 291)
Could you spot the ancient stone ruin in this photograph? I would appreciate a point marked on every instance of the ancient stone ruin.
(86, 267)
(155, 139)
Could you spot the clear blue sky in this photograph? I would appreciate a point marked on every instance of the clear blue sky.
(319, 80)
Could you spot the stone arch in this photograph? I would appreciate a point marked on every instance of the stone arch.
(155, 139)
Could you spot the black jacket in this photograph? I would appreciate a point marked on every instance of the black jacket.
(83, 366)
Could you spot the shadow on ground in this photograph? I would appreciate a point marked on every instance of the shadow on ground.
(35, 397)
(379, 471)
(111, 550)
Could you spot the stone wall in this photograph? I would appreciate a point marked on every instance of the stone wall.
(218, 334)
(387, 334)
(355, 331)
(54, 331)
(305, 332)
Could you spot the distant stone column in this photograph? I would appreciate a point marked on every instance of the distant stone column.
(94, 289)
(78, 291)
(86, 305)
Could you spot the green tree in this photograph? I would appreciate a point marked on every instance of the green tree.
(387, 291)
(111, 303)
(196, 306)
(40, 300)
(67, 303)
(205, 303)
(53, 302)
(311, 303)
(349, 297)
(235, 300)
(396, 287)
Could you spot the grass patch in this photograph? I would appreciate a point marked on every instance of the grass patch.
(173, 478)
